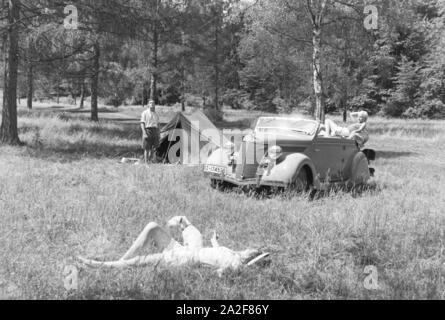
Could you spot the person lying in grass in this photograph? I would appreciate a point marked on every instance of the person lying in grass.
(174, 254)
(358, 131)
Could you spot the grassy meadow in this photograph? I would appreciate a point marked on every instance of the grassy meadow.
(64, 194)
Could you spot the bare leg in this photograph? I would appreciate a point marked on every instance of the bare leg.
(152, 233)
(136, 261)
(327, 125)
(146, 157)
(330, 127)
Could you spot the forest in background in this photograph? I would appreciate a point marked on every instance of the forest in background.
(271, 55)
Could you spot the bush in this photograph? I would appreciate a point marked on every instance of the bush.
(249, 105)
(306, 107)
(281, 105)
(432, 109)
(363, 102)
(214, 115)
(169, 96)
(114, 100)
(71, 100)
(396, 106)
(234, 98)
(193, 101)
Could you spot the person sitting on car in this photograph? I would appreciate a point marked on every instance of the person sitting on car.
(358, 131)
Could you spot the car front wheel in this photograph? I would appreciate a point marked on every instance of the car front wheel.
(301, 182)
(219, 185)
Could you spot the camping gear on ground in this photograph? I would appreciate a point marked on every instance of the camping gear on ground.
(130, 161)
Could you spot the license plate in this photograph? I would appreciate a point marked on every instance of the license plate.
(215, 170)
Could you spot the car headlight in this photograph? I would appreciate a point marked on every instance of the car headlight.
(249, 138)
(275, 152)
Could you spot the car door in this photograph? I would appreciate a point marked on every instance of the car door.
(329, 157)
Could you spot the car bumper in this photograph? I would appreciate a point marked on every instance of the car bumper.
(256, 182)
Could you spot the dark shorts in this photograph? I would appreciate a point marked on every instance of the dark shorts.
(152, 140)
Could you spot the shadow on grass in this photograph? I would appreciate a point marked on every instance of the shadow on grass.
(81, 152)
(100, 110)
(125, 120)
(355, 191)
(265, 193)
(424, 130)
(394, 154)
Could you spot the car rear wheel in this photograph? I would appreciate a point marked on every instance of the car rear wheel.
(360, 173)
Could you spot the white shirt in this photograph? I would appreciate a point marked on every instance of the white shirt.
(150, 119)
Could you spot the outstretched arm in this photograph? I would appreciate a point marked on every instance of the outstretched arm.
(354, 115)
(214, 240)
(359, 130)
(191, 236)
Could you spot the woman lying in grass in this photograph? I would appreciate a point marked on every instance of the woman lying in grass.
(174, 254)
(357, 131)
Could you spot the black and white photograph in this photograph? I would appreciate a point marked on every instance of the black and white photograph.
(254, 151)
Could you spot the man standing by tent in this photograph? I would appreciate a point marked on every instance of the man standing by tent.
(150, 131)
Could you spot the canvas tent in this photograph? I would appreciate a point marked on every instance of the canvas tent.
(189, 139)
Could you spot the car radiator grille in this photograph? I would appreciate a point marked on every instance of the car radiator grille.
(247, 162)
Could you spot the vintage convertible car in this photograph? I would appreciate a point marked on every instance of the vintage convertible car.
(292, 154)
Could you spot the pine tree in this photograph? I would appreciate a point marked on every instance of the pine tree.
(407, 81)
(432, 102)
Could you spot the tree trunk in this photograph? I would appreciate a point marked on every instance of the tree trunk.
(30, 84)
(58, 92)
(154, 75)
(8, 129)
(183, 42)
(145, 93)
(183, 89)
(216, 64)
(82, 95)
(153, 80)
(95, 83)
(236, 40)
(344, 104)
(318, 79)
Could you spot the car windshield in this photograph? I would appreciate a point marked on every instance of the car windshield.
(287, 125)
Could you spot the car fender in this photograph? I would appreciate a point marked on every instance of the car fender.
(285, 170)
